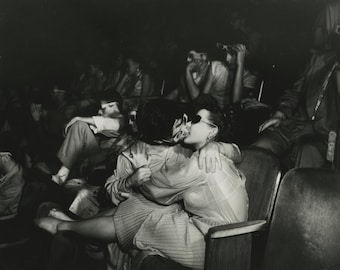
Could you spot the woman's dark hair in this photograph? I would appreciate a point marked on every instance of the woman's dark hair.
(156, 118)
(217, 118)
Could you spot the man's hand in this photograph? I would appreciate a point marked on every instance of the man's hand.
(69, 124)
(209, 158)
(240, 53)
(193, 66)
(275, 121)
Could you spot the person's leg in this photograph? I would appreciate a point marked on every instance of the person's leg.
(310, 152)
(273, 141)
(66, 249)
(97, 229)
(80, 142)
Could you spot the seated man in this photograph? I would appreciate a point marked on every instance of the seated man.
(93, 138)
(11, 177)
(308, 114)
(203, 76)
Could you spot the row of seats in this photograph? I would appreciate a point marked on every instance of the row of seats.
(293, 221)
(299, 231)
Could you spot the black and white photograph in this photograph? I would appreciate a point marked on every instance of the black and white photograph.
(169, 134)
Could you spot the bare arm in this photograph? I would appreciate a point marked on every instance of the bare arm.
(208, 83)
(98, 123)
(87, 120)
(172, 95)
(237, 91)
(193, 89)
(146, 85)
(120, 87)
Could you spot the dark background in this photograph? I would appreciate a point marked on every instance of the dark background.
(44, 39)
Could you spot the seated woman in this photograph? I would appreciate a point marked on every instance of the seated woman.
(163, 188)
(209, 199)
(136, 82)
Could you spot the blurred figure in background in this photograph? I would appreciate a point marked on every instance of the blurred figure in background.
(11, 175)
(136, 81)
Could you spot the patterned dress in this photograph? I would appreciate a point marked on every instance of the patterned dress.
(156, 223)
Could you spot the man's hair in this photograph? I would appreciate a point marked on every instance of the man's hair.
(155, 119)
(111, 95)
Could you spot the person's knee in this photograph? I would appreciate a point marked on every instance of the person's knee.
(80, 125)
(272, 142)
(309, 155)
(66, 239)
(79, 129)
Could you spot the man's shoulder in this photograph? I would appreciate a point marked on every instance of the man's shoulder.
(218, 67)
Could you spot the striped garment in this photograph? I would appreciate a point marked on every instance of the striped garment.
(164, 227)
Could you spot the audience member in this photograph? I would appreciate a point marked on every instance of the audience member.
(11, 175)
(203, 76)
(94, 138)
(115, 72)
(134, 169)
(308, 113)
(86, 89)
(136, 81)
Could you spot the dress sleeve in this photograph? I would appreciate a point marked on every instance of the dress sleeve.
(116, 183)
(230, 151)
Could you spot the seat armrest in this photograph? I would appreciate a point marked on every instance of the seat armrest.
(11, 216)
(236, 229)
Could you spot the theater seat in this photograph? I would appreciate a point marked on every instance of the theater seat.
(262, 170)
(304, 232)
(13, 241)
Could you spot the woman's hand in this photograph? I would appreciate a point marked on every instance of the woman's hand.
(209, 157)
(137, 155)
(140, 162)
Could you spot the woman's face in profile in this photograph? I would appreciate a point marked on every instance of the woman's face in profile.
(200, 128)
(131, 67)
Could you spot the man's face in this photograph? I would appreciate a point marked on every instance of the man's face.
(199, 58)
(109, 108)
(131, 67)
